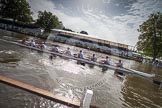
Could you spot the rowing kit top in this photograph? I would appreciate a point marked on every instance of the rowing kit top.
(80, 55)
(120, 64)
(43, 46)
(55, 49)
(94, 59)
(107, 61)
(68, 53)
(32, 44)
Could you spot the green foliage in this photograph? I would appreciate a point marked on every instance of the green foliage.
(150, 39)
(47, 20)
(18, 10)
(60, 26)
(84, 32)
(67, 29)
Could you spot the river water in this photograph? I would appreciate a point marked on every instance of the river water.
(66, 78)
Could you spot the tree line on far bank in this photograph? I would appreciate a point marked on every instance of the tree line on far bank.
(19, 11)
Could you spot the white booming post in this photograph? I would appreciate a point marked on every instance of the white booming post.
(87, 99)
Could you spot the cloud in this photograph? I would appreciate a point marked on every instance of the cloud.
(41, 5)
(106, 1)
(143, 8)
(121, 28)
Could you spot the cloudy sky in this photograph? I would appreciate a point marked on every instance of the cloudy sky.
(113, 20)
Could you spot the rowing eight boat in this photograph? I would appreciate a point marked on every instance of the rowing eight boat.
(124, 70)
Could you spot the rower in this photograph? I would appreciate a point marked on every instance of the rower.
(68, 52)
(43, 46)
(107, 61)
(80, 55)
(23, 41)
(119, 64)
(55, 49)
(32, 43)
(94, 58)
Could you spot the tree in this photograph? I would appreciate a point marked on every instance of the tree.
(150, 39)
(84, 32)
(47, 20)
(67, 29)
(60, 26)
(16, 9)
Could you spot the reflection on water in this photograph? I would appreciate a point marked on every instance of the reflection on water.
(68, 79)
